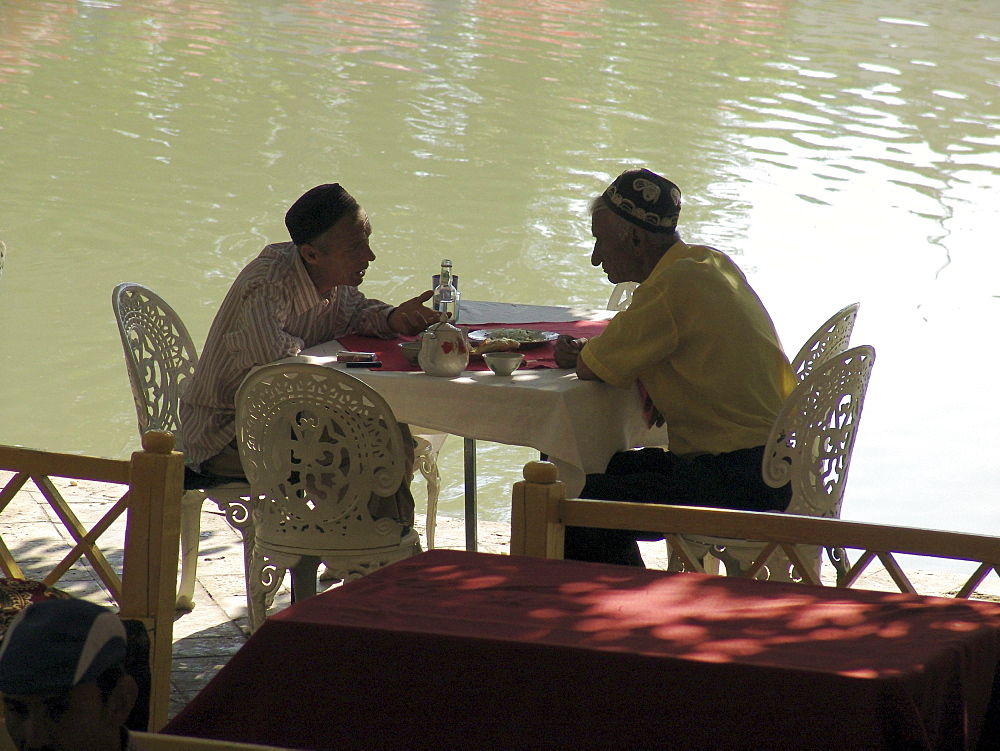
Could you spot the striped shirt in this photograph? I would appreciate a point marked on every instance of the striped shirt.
(272, 311)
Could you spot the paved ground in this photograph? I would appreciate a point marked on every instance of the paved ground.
(206, 637)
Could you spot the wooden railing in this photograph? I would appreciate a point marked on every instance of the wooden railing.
(541, 512)
(145, 590)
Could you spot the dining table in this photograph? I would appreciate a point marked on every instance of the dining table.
(578, 425)
(457, 650)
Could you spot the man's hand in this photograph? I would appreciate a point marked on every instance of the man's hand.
(412, 316)
(567, 350)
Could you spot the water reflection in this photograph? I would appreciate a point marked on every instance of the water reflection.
(842, 153)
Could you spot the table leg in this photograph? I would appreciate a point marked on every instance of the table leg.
(471, 517)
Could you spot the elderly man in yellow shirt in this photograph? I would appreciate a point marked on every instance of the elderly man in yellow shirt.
(706, 356)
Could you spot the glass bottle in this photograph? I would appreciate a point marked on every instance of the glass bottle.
(446, 295)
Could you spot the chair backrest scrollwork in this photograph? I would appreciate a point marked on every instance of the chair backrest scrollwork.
(159, 354)
(316, 444)
(830, 339)
(621, 295)
(813, 436)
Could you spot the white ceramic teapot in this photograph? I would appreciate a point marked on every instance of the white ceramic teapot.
(443, 350)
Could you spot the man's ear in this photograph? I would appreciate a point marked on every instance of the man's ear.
(308, 252)
(122, 698)
(635, 240)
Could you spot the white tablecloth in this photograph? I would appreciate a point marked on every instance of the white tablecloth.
(578, 424)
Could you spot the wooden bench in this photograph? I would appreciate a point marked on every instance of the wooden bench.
(541, 512)
(158, 742)
(145, 588)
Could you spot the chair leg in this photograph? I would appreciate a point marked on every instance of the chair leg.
(191, 503)
(426, 456)
(673, 561)
(304, 578)
(249, 534)
(841, 563)
(710, 563)
(263, 579)
(734, 565)
(240, 517)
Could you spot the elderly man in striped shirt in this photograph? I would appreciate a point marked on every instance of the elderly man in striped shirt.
(294, 295)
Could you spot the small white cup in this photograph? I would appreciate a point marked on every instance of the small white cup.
(503, 363)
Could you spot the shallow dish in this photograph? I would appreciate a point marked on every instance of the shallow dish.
(410, 351)
(525, 337)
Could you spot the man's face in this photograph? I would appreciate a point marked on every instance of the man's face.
(77, 720)
(613, 249)
(340, 256)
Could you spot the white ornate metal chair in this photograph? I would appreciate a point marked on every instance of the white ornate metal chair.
(621, 295)
(316, 443)
(832, 338)
(810, 445)
(160, 358)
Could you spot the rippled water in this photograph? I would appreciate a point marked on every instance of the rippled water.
(841, 151)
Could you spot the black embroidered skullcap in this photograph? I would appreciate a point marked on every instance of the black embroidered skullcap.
(317, 210)
(645, 199)
(53, 645)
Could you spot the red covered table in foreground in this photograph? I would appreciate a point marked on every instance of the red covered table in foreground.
(452, 649)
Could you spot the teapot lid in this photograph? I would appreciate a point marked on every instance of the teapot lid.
(441, 327)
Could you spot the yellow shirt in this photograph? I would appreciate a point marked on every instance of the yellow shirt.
(704, 347)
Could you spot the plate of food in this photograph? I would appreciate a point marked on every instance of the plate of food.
(508, 339)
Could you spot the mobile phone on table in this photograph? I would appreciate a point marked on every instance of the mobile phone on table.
(360, 357)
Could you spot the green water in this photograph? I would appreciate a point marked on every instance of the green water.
(841, 151)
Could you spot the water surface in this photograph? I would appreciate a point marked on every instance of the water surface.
(840, 151)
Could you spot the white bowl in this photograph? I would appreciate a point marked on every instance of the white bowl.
(503, 363)
(410, 351)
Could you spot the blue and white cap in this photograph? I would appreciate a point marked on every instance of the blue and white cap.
(52, 646)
